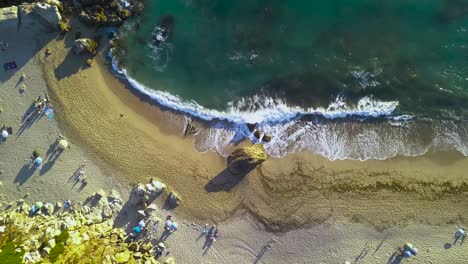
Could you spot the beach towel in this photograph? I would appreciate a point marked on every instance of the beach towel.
(10, 65)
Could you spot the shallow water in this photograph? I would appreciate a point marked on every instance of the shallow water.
(296, 67)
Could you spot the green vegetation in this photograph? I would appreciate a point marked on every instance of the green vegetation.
(59, 246)
(91, 46)
(8, 255)
(64, 26)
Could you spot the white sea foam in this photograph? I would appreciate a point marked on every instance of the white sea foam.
(260, 109)
(332, 139)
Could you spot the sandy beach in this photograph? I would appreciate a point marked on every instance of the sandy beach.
(302, 208)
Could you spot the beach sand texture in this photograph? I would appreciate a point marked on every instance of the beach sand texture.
(53, 182)
(339, 206)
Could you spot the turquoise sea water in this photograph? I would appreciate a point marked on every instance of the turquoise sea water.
(299, 67)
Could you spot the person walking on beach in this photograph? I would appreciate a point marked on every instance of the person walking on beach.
(460, 234)
(205, 229)
(4, 134)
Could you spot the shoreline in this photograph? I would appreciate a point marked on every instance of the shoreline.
(336, 210)
(371, 119)
(150, 134)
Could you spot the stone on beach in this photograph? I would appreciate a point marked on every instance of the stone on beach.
(49, 14)
(84, 44)
(245, 159)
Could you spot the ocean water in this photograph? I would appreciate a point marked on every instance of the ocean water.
(349, 79)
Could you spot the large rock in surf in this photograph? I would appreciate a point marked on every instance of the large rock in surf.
(245, 159)
(47, 13)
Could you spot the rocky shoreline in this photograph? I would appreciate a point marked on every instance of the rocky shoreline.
(75, 233)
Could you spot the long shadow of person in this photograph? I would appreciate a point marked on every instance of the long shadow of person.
(24, 174)
(208, 243)
(51, 160)
(165, 235)
(395, 258)
(35, 116)
(261, 253)
(29, 111)
(82, 186)
(76, 174)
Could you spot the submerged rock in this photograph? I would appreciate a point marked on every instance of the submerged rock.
(243, 160)
(266, 138)
(258, 134)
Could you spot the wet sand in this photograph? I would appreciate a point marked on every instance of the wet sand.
(338, 202)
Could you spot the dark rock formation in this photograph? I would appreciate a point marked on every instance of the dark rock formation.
(251, 126)
(243, 160)
(258, 134)
(266, 138)
(84, 44)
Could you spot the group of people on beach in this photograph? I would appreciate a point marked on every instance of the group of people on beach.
(170, 226)
(43, 105)
(212, 234)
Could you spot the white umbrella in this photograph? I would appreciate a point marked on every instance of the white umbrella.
(63, 144)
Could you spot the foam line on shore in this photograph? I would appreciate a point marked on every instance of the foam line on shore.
(270, 110)
(396, 135)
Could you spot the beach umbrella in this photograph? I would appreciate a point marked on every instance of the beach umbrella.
(38, 161)
(407, 254)
(63, 144)
(408, 246)
(161, 245)
(137, 229)
(174, 226)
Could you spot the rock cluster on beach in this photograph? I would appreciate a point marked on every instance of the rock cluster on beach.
(243, 160)
(55, 233)
(143, 194)
(90, 12)
(47, 13)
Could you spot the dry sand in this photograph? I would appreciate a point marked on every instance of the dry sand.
(340, 205)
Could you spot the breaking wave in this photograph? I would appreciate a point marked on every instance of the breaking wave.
(368, 129)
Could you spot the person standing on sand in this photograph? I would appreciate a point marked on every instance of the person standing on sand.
(4, 133)
(460, 233)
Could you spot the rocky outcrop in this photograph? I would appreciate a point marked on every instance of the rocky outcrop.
(243, 160)
(53, 234)
(145, 193)
(9, 15)
(100, 13)
(47, 13)
(84, 44)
